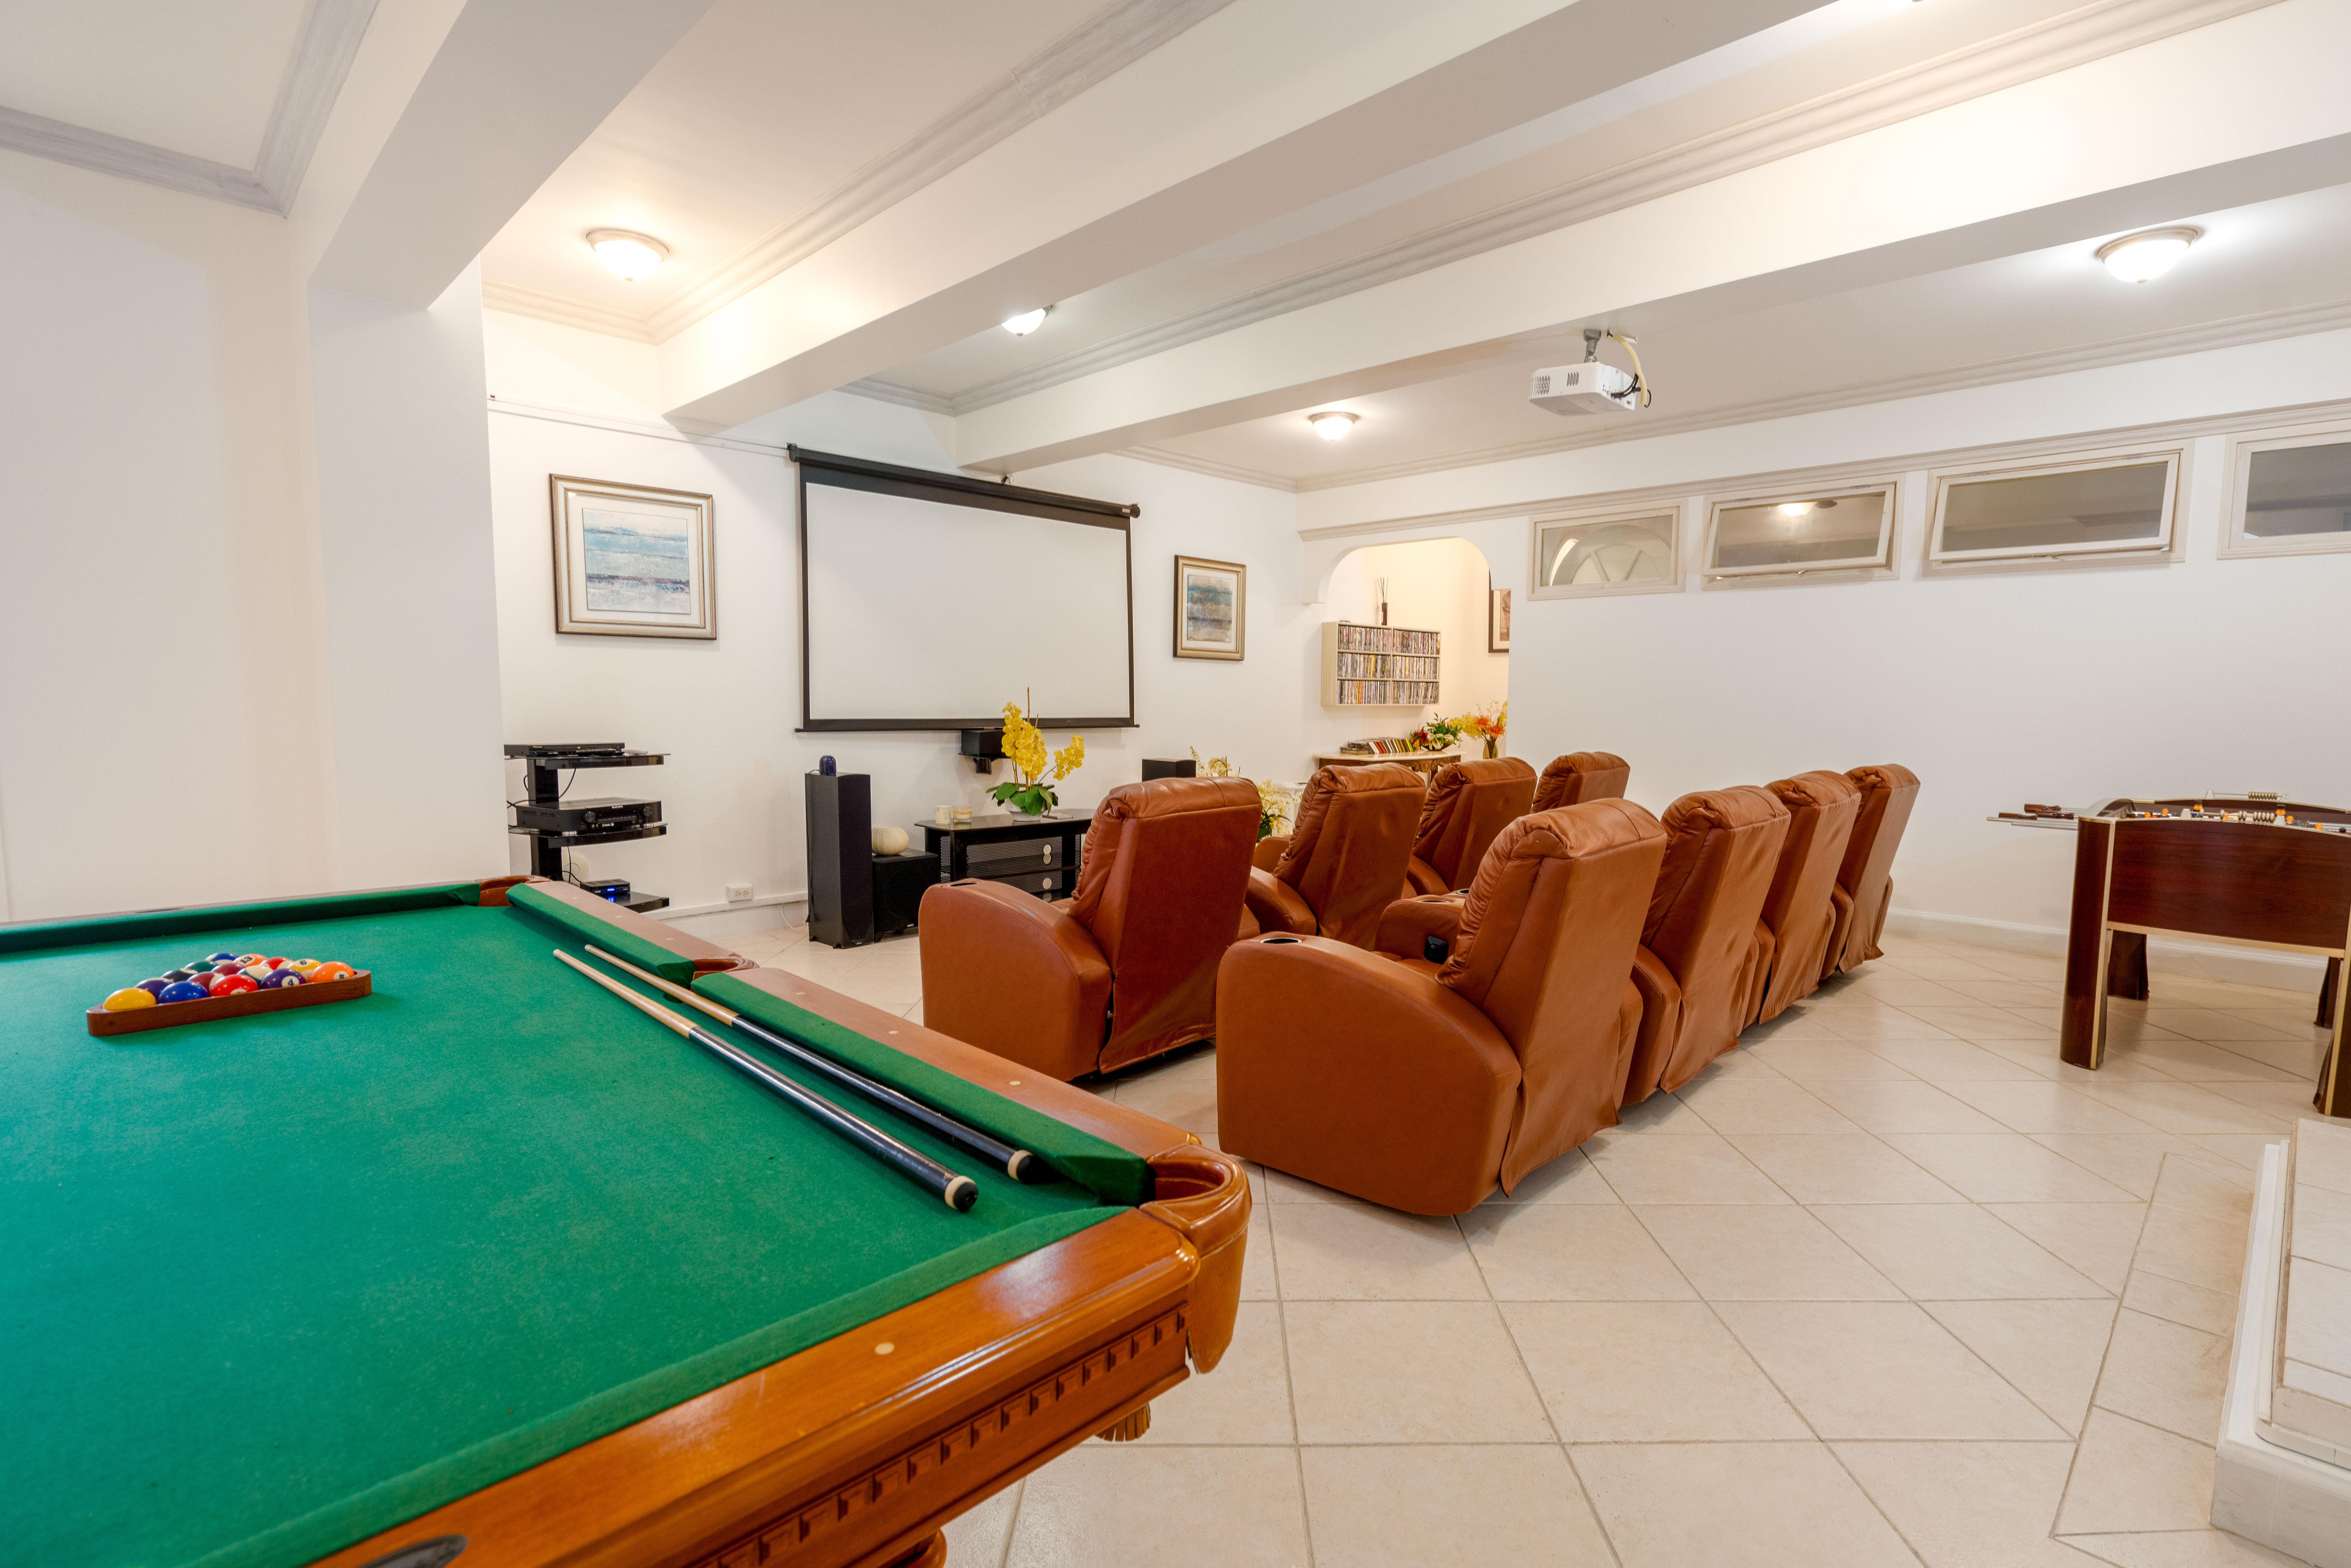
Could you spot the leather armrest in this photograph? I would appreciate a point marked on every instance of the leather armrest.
(1406, 925)
(1270, 851)
(1661, 1016)
(1276, 904)
(1419, 876)
(1014, 975)
(1840, 925)
(1344, 1068)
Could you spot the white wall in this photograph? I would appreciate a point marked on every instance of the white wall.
(411, 635)
(726, 709)
(160, 717)
(249, 643)
(2065, 686)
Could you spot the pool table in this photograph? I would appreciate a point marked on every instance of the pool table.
(487, 1267)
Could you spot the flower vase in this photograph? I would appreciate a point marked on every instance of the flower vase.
(1493, 746)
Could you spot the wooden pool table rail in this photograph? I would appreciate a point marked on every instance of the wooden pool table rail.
(851, 1455)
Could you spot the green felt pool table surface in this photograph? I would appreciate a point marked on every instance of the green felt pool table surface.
(270, 1285)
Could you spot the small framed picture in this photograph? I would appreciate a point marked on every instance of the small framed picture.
(1211, 609)
(631, 560)
(1497, 620)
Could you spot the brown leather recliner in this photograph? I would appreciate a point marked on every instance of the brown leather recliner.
(1332, 874)
(1468, 804)
(1798, 914)
(1421, 1086)
(1582, 776)
(1866, 877)
(1127, 968)
(1700, 948)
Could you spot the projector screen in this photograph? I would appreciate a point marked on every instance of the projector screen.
(929, 600)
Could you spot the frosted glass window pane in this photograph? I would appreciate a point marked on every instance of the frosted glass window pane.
(1589, 555)
(1805, 534)
(2089, 507)
(2299, 490)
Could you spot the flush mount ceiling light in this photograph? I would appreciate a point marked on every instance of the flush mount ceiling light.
(1332, 424)
(1027, 322)
(629, 255)
(2144, 257)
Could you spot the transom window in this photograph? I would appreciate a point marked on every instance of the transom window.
(2293, 493)
(1842, 529)
(1600, 555)
(2070, 506)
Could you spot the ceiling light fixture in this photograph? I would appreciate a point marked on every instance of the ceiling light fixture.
(1332, 425)
(1794, 509)
(629, 255)
(2145, 256)
(1027, 322)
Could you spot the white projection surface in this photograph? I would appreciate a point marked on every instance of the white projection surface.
(919, 610)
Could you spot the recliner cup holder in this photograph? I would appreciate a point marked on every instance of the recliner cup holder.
(1277, 941)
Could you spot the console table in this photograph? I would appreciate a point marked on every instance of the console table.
(1419, 761)
(953, 846)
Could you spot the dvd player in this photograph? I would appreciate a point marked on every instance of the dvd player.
(599, 814)
(573, 748)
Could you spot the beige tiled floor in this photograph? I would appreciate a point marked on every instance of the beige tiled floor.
(1889, 1285)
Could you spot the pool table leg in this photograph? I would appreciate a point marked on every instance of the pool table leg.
(932, 1553)
(1129, 1426)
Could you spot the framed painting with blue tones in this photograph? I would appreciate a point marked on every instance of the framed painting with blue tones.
(1211, 609)
(631, 560)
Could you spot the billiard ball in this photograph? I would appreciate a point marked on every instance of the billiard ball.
(279, 979)
(130, 997)
(182, 992)
(331, 970)
(220, 957)
(301, 966)
(247, 960)
(176, 974)
(256, 972)
(230, 983)
(154, 988)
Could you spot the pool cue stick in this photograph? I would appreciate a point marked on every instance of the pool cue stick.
(957, 1192)
(1018, 1164)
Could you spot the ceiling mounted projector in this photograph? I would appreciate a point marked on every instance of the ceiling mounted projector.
(1588, 388)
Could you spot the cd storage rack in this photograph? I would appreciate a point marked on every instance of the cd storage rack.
(1378, 666)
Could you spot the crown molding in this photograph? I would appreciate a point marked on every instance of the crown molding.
(2057, 43)
(324, 47)
(118, 155)
(1213, 469)
(320, 62)
(2293, 322)
(520, 299)
(1098, 49)
(905, 397)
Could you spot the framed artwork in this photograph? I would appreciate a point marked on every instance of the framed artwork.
(1211, 609)
(631, 560)
(1497, 620)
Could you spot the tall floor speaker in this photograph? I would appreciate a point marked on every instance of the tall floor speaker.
(840, 859)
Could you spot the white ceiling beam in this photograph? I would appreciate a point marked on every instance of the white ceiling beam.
(1263, 107)
(513, 87)
(2105, 145)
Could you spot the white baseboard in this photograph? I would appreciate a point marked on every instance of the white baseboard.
(713, 922)
(2165, 954)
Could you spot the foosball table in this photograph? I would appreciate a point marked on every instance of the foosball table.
(2251, 872)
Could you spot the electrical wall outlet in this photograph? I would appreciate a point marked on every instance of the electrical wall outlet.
(738, 891)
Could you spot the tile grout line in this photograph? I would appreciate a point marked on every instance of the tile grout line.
(1566, 1450)
(1288, 1383)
